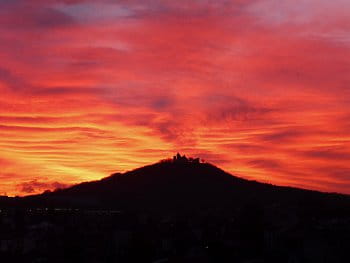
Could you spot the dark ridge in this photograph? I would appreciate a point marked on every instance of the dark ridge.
(181, 184)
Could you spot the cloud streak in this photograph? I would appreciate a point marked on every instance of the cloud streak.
(94, 87)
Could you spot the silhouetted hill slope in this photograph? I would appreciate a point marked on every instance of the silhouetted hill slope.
(179, 211)
(175, 186)
(183, 186)
(164, 184)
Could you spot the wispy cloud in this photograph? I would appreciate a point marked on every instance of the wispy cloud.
(35, 186)
(92, 87)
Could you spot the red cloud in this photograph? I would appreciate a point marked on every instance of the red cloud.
(35, 186)
(233, 82)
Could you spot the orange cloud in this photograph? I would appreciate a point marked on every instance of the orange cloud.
(257, 87)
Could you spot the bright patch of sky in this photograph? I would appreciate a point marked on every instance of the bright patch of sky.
(276, 12)
(96, 12)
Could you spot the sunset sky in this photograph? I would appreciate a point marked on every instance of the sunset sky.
(260, 88)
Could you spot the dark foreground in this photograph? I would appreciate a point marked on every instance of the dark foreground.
(178, 210)
(248, 235)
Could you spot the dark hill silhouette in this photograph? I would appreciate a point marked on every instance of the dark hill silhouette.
(183, 184)
(178, 210)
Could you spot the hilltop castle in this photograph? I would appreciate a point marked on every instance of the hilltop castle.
(183, 159)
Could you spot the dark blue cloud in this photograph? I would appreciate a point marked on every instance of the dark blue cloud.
(11, 80)
(25, 17)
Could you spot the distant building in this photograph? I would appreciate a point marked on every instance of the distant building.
(178, 158)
